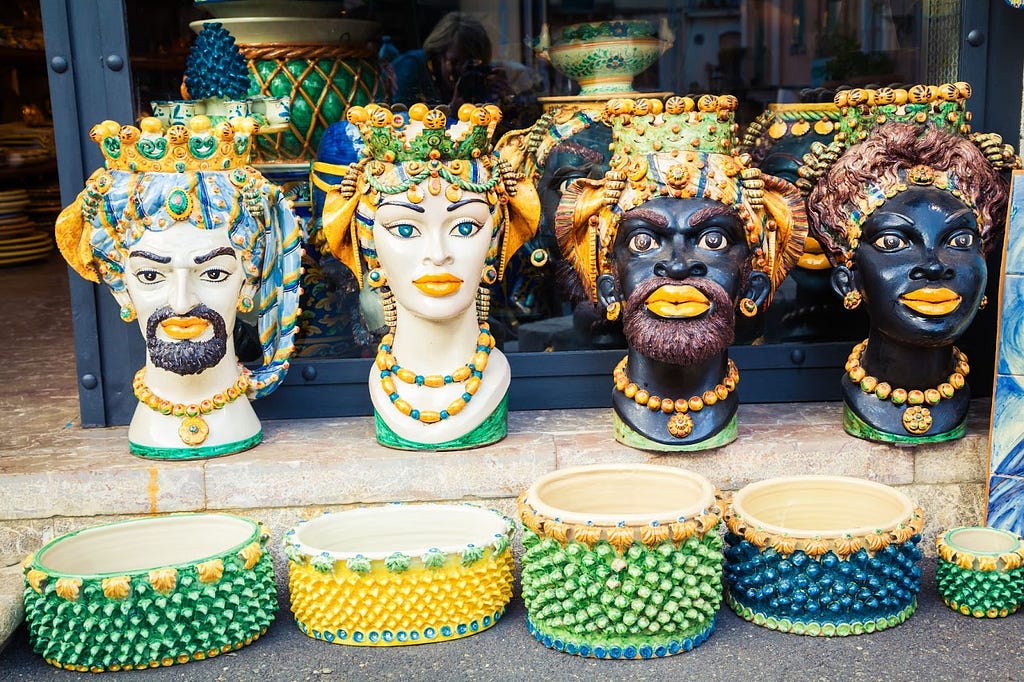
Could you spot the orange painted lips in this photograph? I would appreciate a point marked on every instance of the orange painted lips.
(677, 301)
(438, 285)
(184, 327)
(813, 258)
(929, 301)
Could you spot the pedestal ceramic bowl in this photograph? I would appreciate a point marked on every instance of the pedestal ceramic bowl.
(400, 574)
(822, 555)
(150, 592)
(621, 561)
(980, 571)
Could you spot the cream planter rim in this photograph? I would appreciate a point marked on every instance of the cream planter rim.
(766, 505)
(574, 495)
(982, 540)
(260, 30)
(413, 530)
(206, 536)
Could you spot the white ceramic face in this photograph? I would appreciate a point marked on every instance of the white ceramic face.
(184, 283)
(433, 253)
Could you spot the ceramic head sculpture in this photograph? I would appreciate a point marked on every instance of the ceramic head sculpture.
(186, 234)
(675, 236)
(906, 215)
(429, 216)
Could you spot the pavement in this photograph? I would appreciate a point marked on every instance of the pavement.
(935, 643)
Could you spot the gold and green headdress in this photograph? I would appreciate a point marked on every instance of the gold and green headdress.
(681, 148)
(199, 174)
(788, 120)
(415, 157)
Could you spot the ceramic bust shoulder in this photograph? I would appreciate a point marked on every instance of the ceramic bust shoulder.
(906, 215)
(676, 236)
(184, 249)
(429, 218)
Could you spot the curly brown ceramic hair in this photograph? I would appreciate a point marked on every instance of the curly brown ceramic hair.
(877, 161)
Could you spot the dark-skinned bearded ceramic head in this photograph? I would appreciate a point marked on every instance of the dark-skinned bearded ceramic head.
(677, 235)
(906, 216)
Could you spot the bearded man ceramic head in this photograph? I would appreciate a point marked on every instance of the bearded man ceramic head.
(677, 235)
(186, 235)
(429, 218)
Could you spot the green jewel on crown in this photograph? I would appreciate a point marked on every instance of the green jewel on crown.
(388, 138)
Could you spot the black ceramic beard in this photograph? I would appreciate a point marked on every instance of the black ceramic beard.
(186, 357)
(921, 239)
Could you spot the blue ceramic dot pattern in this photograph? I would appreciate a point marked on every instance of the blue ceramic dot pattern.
(384, 637)
(616, 652)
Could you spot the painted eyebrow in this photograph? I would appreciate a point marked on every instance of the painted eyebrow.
(150, 256)
(708, 213)
(958, 214)
(460, 204)
(402, 204)
(222, 251)
(899, 216)
(648, 215)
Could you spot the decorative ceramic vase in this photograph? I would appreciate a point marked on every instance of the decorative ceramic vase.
(822, 555)
(151, 592)
(400, 574)
(981, 571)
(603, 57)
(622, 561)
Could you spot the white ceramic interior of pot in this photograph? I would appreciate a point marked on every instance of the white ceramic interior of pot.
(294, 30)
(376, 532)
(981, 540)
(630, 493)
(808, 506)
(145, 544)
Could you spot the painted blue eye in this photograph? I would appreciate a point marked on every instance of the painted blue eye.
(406, 231)
(466, 229)
(403, 230)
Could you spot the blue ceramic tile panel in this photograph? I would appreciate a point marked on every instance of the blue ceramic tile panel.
(1015, 232)
(1011, 338)
(1007, 455)
(1006, 503)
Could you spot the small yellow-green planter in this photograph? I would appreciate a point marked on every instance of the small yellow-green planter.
(400, 574)
(980, 571)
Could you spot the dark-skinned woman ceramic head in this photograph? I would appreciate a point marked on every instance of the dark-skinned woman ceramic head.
(906, 217)
(677, 236)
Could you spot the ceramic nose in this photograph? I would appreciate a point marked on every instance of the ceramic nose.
(677, 269)
(437, 252)
(180, 297)
(934, 270)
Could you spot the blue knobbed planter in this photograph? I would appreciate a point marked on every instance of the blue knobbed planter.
(822, 555)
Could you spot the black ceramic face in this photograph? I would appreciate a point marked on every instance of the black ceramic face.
(785, 157)
(584, 155)
(920, 267)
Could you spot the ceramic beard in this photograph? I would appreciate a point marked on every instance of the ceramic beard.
(676, 235)
(186, 235)
(429, 217)
(906, 216)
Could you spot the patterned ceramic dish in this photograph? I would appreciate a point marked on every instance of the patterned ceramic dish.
(353, 574)
(622, 561)
(150, 592)
(822, 555)
(980, 571)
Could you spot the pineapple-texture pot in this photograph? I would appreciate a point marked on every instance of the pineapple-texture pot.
(980, 571)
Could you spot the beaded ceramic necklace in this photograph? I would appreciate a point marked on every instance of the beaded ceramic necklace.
(680, 424)
(471, 373)
(193, 429)
(917, 419)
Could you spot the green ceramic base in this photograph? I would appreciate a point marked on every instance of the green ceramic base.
(855, 426)
(491, 430)
(982, 594)
(820, 629)
(150, 452)
(627, 436)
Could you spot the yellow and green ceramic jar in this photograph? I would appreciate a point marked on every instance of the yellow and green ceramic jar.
(980, 571)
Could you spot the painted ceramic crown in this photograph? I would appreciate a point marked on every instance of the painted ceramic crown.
(682, 148)
(200, 146)
(781, 120)
(426, 136)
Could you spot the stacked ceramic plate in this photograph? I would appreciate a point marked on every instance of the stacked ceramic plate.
(44, 206)
(20, 241)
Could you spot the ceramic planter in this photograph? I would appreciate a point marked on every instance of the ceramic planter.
(621, 561)
(400, 574)
(822, 555)
(149, 593)
(980, 571)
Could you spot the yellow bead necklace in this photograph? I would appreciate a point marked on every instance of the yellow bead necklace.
(193, 429)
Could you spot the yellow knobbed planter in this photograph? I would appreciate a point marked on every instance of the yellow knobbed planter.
(400, 574)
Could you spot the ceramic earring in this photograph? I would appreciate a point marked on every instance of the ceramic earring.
(852, 300)
(748, 307)
(613, 311)
(127, 312)
(245, 304)
(489, 275)
(376, 278)
(984, 302)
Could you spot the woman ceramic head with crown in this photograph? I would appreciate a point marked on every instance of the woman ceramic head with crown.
(429, 217)
(186, 235)
(906, 215)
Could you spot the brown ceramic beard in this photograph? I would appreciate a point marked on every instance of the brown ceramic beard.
(681, 341)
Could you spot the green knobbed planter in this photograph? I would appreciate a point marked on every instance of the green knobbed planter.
(981, 571)
(150, 593)
(621, 561)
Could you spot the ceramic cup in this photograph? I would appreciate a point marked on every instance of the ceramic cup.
(980, 571)
(622, 561)
(278, 109)
(400, 574)
(236, 108)
(150, 592)
(822, 555)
